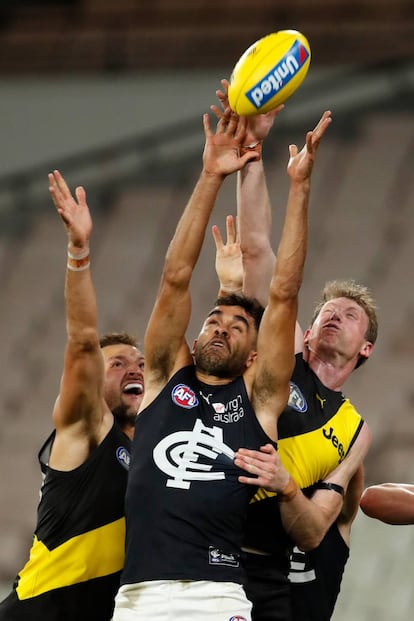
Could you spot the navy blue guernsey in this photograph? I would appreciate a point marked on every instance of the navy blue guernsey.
(185, 508)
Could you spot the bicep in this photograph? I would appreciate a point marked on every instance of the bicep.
(81, 387)
(276, 344)
(165, 332)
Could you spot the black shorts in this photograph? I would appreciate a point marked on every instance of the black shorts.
(267, 587)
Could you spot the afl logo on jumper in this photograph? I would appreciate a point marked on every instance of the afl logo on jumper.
(184, 396)
(123, 457)
(296, 399)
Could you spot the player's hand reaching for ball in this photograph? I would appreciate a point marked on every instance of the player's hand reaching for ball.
(221, 152)
(258, 125)
(301, 162)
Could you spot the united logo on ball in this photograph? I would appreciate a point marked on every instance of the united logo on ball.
(269, 72)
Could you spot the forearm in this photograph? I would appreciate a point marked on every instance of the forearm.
(254, 222)
(185, 247)
(253, 208)
(315, 515)
(306, 520)
(292, 248)
(80, 298)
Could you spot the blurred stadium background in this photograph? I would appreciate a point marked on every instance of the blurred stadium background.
(112, 93)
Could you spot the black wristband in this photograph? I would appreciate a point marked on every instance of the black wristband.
(334, 487)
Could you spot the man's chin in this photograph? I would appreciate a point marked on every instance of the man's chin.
(125, 416)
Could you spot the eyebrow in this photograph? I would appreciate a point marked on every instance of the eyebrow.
(355, 307)
(216, 311)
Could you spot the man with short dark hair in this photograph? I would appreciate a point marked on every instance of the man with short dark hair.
(186, 499)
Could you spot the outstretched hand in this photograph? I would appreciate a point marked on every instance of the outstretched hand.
(258, 125)
(221, 152)
(74, 213)
(229, 262)
(301, 163)
(265, 467)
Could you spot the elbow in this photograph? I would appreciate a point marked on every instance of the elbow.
(287, 288)
(307, 544)
(307, 540)
(256, 247)
(177, 277)
(365, 502)
(371, 503)
(84, 340)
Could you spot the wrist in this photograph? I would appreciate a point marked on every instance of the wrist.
(289, 492)
(78, 258)
(213, 176)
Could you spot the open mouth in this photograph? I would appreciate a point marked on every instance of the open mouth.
(331, 326)
(218, 344)
(133, 388)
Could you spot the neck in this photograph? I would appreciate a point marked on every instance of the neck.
(332, 370)
(213, 380)
(128, 430)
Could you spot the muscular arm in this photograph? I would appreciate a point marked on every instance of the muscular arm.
(253, 207)
(276, 341)
(254, 220)
(80, 415)
(392, 503)
(351, 504)
(306, 520)
(165, 347)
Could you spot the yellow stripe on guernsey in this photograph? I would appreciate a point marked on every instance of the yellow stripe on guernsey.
(311, 456)
(97, 553)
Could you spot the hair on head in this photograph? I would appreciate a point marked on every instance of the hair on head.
(250, 305)
(358, 293)
(118, 338)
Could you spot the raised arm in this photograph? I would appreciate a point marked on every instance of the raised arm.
(392, 503)
(253, 205)
(165, 347)
(80, 415)
(275, 348)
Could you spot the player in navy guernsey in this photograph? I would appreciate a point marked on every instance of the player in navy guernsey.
(186, 499)
(78, 546)
(322, 439)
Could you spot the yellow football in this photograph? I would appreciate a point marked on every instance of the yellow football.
(269, 72)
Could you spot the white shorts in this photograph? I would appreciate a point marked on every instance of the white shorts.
(182, 600)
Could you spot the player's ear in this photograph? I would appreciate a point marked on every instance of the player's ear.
(366, 349)
(193, 347)
(251, 358)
